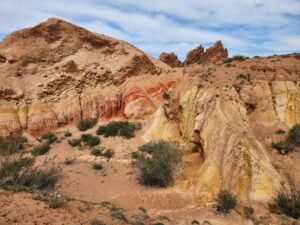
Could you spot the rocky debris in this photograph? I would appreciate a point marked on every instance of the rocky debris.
(70, 67)
(138, 65)
(2, 59)
(171, 59)
(216, 53)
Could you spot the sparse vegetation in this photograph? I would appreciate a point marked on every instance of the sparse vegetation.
(97, 166)
(67, 134)
(86, 124)
(248, 212)
(157, 162)
(226, 201)
(97, 222)
(69, 161)
(287, 199)
(56, 201)
(108, 154)
(74, 142)
(235, 58)
(195, 222)
(11, 144)
(290, 143)
(50, 137)
(20, 175)
(119, 128)
(118, 214)
(97, 151)
(41, 149)
(90, 140)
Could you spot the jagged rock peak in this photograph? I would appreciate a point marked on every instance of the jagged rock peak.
(215, 53)
(171, 59)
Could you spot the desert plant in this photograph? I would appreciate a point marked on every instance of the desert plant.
(225, 201)
(56, 201)
(74, 142)
(96, 151)
(97, 166)
(108, 154)
(20, 175)
(248, 212)
(287, 199)
(41, 149)
(50, 137)
(119, 128)
(279, 131)
(118, 214)
(195, 222)
(67, 134)
(157, 163)
(288, 145)
(97, 222)
(69, 161)
(86, 124)
(11, 144)
(90, 140)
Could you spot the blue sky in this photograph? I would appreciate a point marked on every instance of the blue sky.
(247, 27)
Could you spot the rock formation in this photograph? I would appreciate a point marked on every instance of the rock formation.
(216, 53)
(171, 59)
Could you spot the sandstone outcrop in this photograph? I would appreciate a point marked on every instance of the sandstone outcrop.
(171, 59)
(216, 53)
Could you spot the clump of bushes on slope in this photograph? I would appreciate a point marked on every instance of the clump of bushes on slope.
(20, 175)
(86, 124)
(11, 144)
(235, 58)
(226, 201)
(74, 142)
(50, 137)
(290, 143)
(287, 199)
(157, 162)
(119, 128)
(90, 140)
(41, 149)
(107, 153)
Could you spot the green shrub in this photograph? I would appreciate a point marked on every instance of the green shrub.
(67, 134)
(248, 212)
(118, 214)
(96, 151)
(195, 222)
(108, 153)
(97, 166)
(90, 140)
(69, 161)
(56, 201)
(86, 124)
(41, 149)
(19, 175)
(225, 202)
(74, 142)
(50, 137)
(289, 144)
(97, 222)
(118, 128)
(287, 199)
(157, 163)
(11, 144)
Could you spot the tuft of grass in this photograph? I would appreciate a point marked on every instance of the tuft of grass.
(11, 144)
(117, 213)
(287, 199)
(20, 175)
(97, 222)
(108, 154)
(97, 166)
(86, 124)
(119, 128)
(195, 222)
(225, 202)
(67, 134)
(41, 149)
(248, 212)
(96, 151)
(56, 201)
(157, 162)
(290, 143)
(50, 137)
(74, 142)
(90, 140)
(69, 161)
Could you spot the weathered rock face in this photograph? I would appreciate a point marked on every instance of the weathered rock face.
(171, 59)
(216, 53)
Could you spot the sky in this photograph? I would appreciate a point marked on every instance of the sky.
(246, 27)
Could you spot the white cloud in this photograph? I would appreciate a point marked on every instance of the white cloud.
(164, 25)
